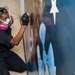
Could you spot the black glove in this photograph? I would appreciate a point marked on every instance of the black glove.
(25, 19)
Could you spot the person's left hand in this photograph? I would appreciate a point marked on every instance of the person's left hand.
(25, 19)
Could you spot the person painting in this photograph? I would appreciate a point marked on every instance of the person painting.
(9, 61)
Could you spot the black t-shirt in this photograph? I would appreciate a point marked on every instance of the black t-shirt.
(5, 37)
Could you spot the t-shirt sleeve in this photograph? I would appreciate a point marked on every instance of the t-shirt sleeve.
(5, 39)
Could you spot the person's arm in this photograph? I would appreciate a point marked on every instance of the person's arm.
(18, 37)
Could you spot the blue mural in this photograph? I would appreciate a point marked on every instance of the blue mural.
(56, 45)
(64, 35)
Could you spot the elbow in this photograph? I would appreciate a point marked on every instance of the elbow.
(14, 42)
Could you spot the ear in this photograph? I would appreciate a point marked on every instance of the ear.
(0, 21)
(0, 16)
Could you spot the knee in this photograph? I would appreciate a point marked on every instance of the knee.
(22, 69)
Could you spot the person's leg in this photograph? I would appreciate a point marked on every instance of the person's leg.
(3, 68)
(15, 63)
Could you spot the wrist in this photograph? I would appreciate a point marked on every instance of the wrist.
(23, 26)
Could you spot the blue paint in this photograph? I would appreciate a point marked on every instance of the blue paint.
(48, 59)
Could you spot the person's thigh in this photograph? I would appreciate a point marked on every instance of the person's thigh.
(15, 63)
(3, 68)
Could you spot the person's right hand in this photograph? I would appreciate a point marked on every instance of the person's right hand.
(25, 19)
